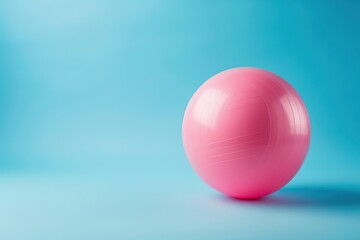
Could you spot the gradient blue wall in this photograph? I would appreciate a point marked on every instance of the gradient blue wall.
(104, 84)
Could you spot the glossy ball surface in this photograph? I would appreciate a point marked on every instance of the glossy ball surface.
(246, 132)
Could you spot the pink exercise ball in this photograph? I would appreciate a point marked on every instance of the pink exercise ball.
(246, 132)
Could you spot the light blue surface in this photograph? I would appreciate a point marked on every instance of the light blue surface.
(92, 95)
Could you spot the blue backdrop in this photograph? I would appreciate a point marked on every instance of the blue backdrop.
(92, 95)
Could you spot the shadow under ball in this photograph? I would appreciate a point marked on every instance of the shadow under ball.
(246, 132)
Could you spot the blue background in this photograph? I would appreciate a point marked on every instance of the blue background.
(92, 95)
